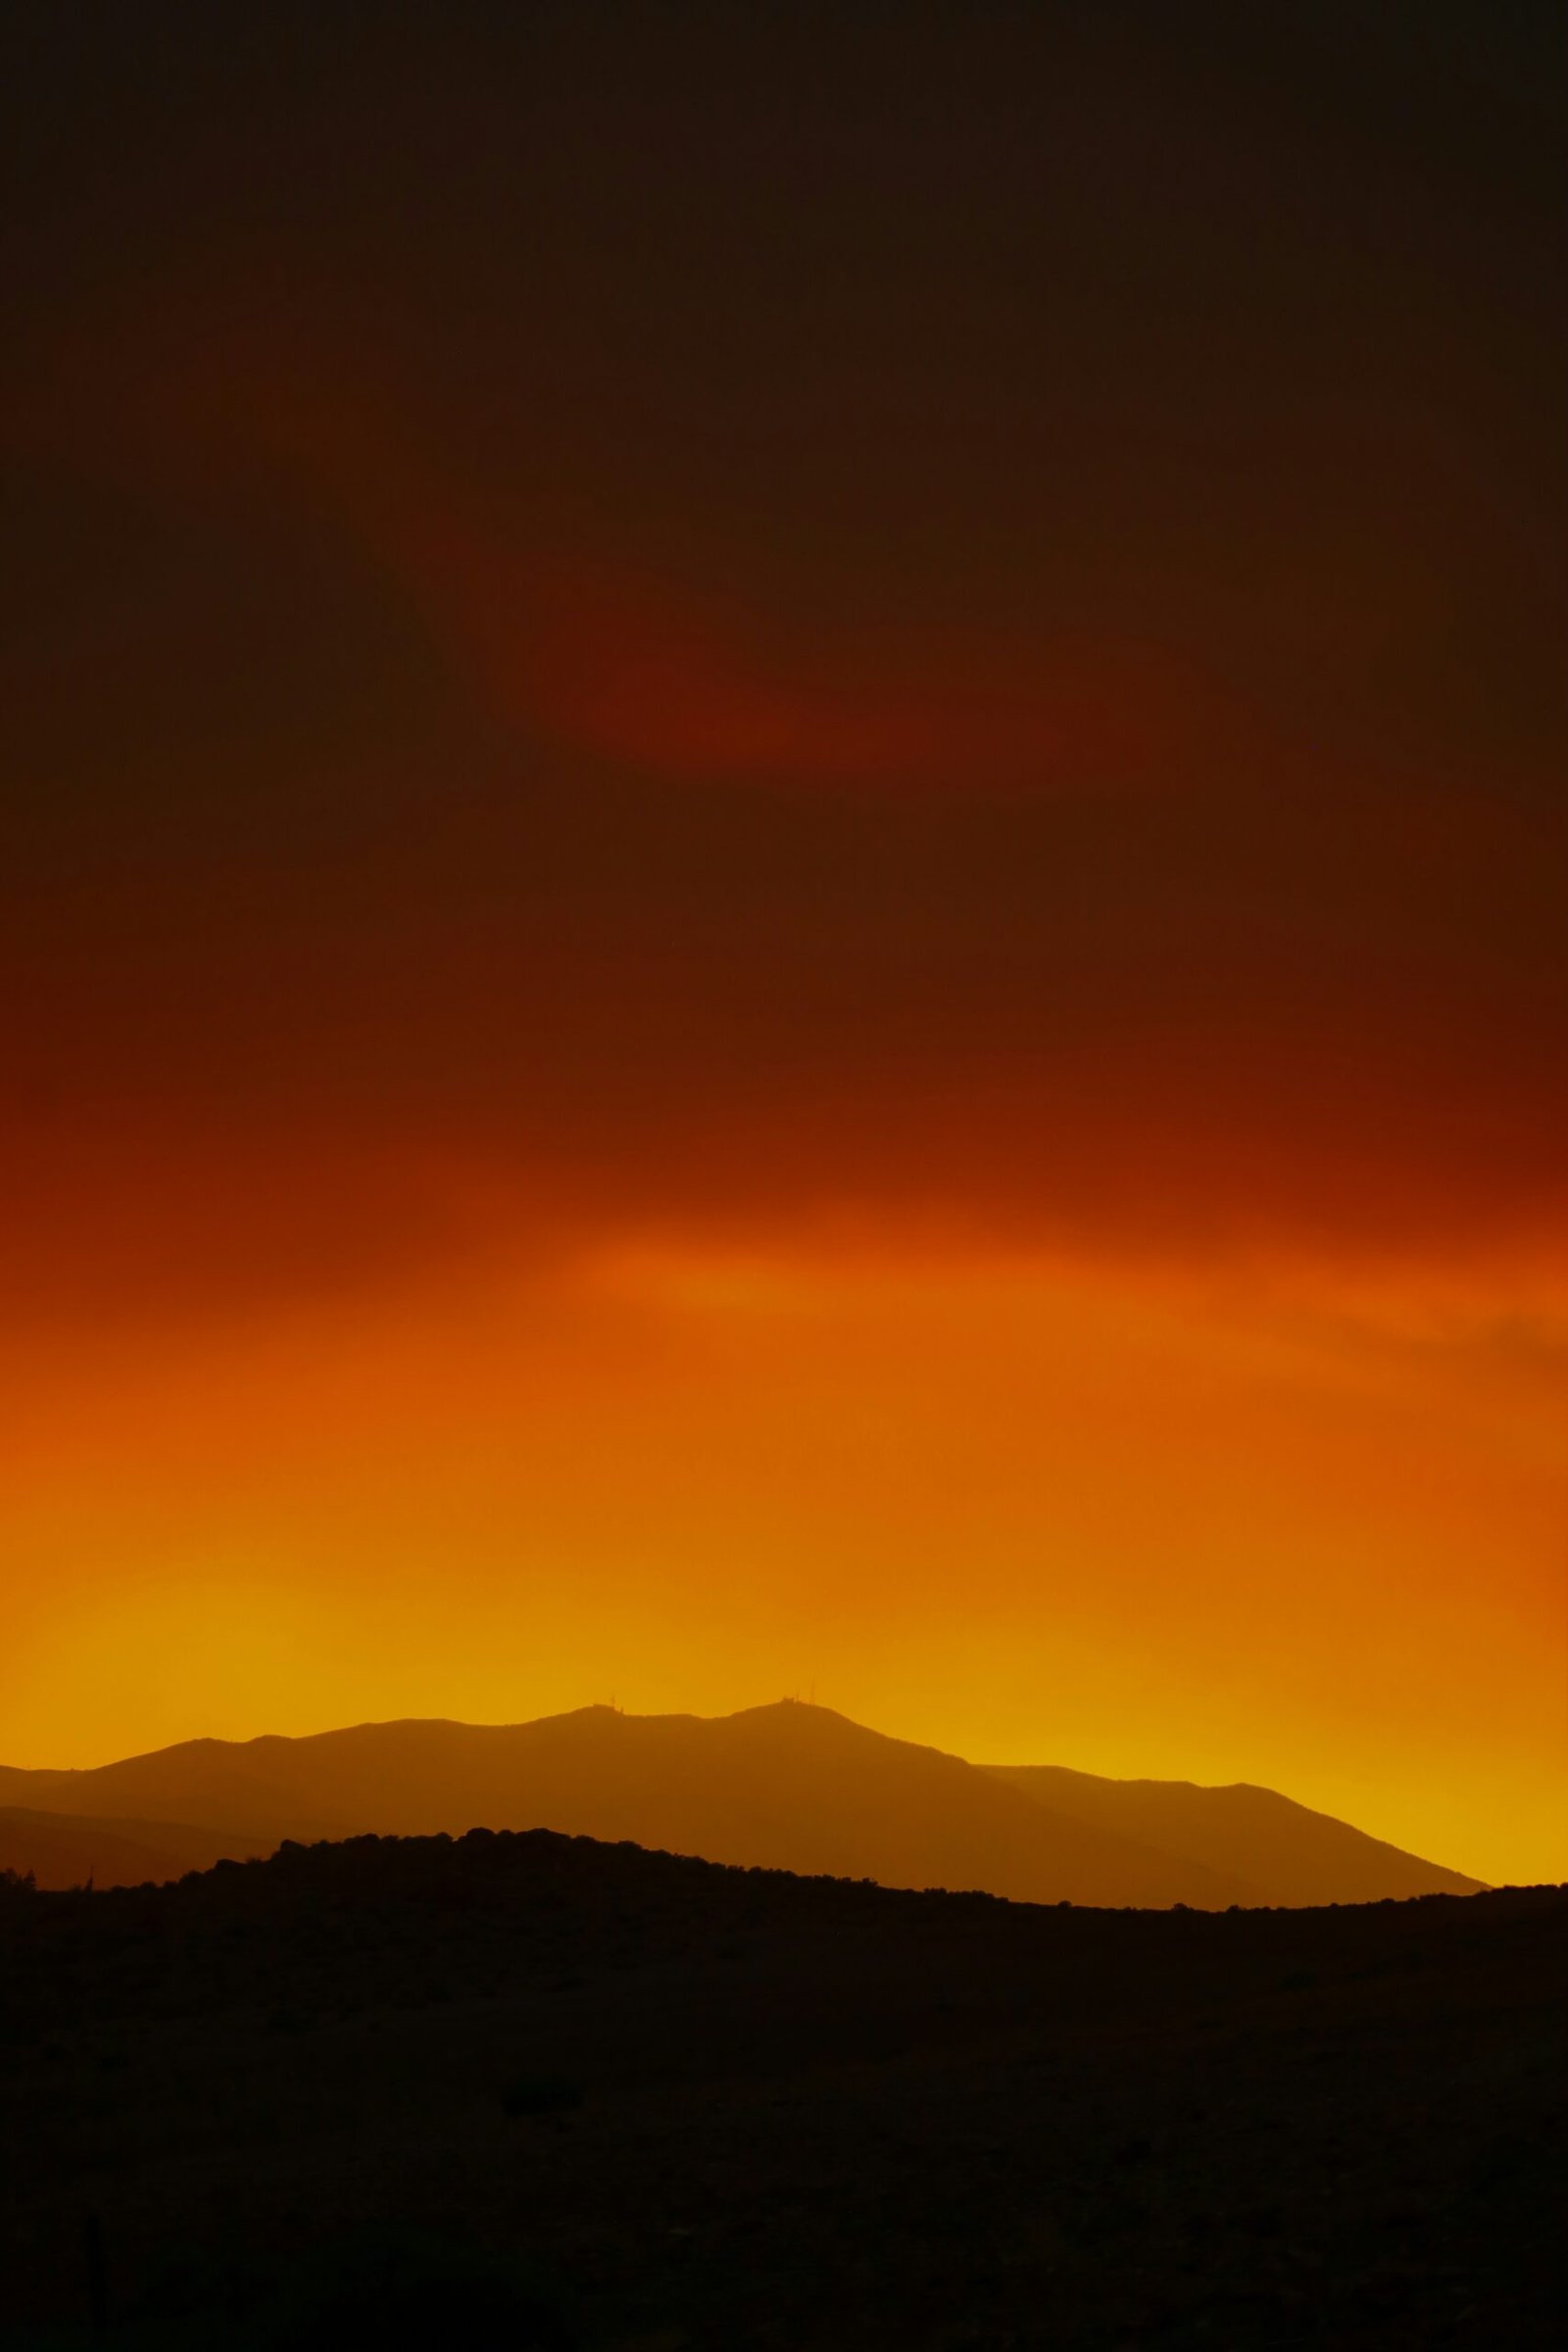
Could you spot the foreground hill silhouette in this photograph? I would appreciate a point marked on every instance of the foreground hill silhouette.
(530, 2090)
(786, 1786)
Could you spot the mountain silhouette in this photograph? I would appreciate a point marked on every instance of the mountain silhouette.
(60, 1850)
(785, 1786)
(1287, 1853)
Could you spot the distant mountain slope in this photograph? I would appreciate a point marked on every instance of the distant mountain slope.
(1289, 1853)
(209, 1782)
(69, 1849)
(788, 1787)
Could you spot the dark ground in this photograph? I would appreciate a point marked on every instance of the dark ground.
(528, 2089)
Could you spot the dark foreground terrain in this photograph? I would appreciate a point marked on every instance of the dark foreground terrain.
(530, 2090)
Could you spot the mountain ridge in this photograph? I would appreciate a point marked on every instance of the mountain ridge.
(788, 1786)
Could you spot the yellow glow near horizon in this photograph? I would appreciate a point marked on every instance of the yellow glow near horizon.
(1300, 1527)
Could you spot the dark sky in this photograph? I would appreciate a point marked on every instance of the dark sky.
(733, 612)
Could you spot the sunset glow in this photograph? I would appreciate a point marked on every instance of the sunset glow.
(783, 911)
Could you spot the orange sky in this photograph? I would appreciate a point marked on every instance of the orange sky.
(785, 905)
(1263, 1520)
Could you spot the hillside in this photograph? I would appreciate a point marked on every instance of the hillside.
(535, 2090)
(785, 1786)
(60, 1850)
(1285, 1852)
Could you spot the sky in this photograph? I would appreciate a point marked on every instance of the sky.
(784, 883)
